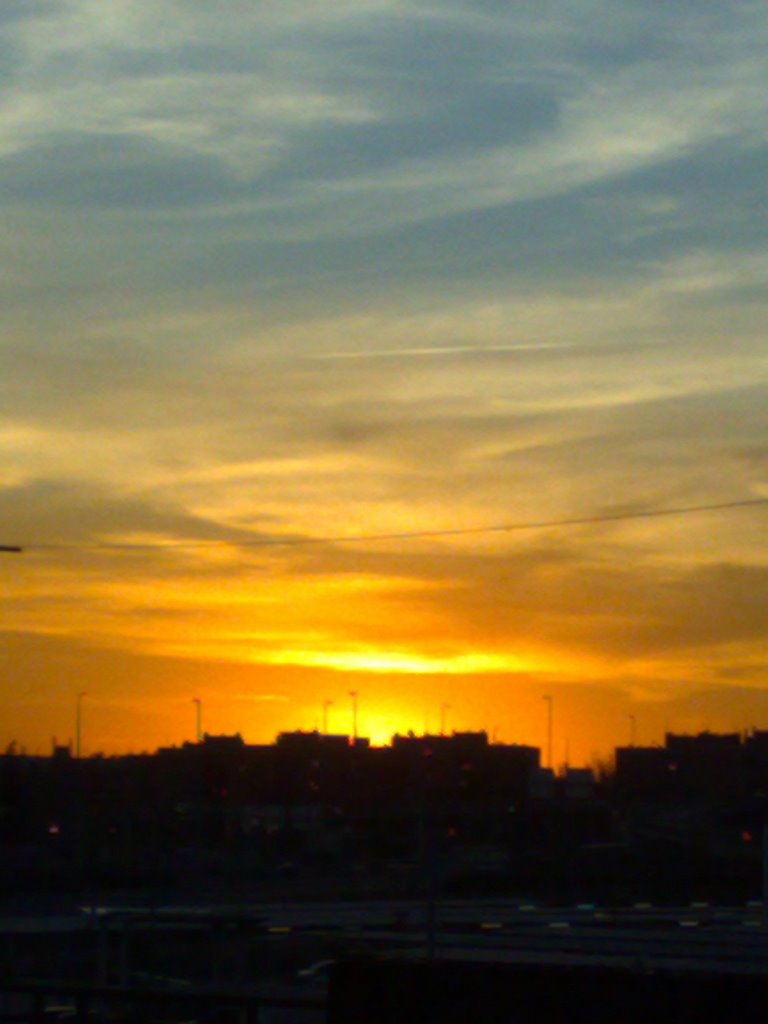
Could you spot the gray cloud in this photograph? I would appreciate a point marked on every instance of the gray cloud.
(71, 513)
(460, 147)
(488, 115)
(113, 170)
(21, 10)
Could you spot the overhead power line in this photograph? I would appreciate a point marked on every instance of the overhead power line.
(538, 524)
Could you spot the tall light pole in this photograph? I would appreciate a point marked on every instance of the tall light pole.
(632, 730)
(79, 723)
(549, 701)
(353, 695)
(443, 708)
(326, 705)
(199, 718)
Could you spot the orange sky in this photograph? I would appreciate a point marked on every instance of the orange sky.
(487, 625)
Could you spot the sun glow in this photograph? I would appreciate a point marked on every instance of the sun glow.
(380, 728)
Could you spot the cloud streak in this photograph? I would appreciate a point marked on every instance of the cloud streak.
(444, 350)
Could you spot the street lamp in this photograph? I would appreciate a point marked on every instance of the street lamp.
(443, 708)
(353, 695)
(549, 701)
(79, 723)
(632, 730)
(197, 701)
(326, 705)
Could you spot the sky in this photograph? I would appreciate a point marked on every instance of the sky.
(281, 282)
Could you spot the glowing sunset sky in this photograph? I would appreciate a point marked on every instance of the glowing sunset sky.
(274, 272)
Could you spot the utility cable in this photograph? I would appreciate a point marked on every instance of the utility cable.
(539, 524)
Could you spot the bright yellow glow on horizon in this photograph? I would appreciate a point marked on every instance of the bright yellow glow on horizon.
(380, 728)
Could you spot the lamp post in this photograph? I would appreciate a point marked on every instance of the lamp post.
(326, 705)
(353, 695)
(443, 708)
(79, 723)
(549, 701)
(199, 718)
(632, 730)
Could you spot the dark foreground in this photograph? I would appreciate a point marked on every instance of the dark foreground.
(383, 962)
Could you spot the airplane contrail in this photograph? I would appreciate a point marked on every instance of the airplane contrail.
(438, 350)
(450, 350)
